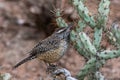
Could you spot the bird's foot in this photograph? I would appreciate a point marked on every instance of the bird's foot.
(51, 68)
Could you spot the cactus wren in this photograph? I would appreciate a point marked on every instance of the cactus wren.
(50, 49)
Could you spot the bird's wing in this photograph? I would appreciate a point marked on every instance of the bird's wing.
(44, 46)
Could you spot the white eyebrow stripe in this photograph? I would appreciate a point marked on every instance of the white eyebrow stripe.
(60, 30)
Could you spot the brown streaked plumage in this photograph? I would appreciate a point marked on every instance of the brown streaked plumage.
(50, 49)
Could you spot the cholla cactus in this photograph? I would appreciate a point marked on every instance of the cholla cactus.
(91, 50)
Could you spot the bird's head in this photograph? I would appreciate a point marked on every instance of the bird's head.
(63, 32)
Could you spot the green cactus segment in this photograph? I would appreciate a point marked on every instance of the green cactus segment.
(78, 45)
(81, 25)
(80, 49)
(88, 68)
(103, 13)
(97, 37)
(101, 23)
(90, 49)
(104, 7)
(83, 12)
(59, 20)
(83, 1)
(107, 54)
(73, 35)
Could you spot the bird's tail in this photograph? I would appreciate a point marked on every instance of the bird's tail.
(23, 61)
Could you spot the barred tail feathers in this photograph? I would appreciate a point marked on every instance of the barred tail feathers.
(23, 61)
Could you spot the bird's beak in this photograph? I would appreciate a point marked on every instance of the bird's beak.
(69, 28)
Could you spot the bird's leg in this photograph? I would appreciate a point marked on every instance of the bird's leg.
(51, 68)
(52, 65)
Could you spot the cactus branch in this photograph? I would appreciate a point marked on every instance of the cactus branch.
(87, 44)
(97, 37)
(83, 12)
(107, 54)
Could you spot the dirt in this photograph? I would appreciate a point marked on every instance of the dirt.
(17, 41)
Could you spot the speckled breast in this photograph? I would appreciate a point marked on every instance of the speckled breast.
(54, 54)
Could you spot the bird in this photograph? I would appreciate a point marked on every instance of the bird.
(51, 49)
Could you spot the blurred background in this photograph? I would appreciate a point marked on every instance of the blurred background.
(23, 23)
